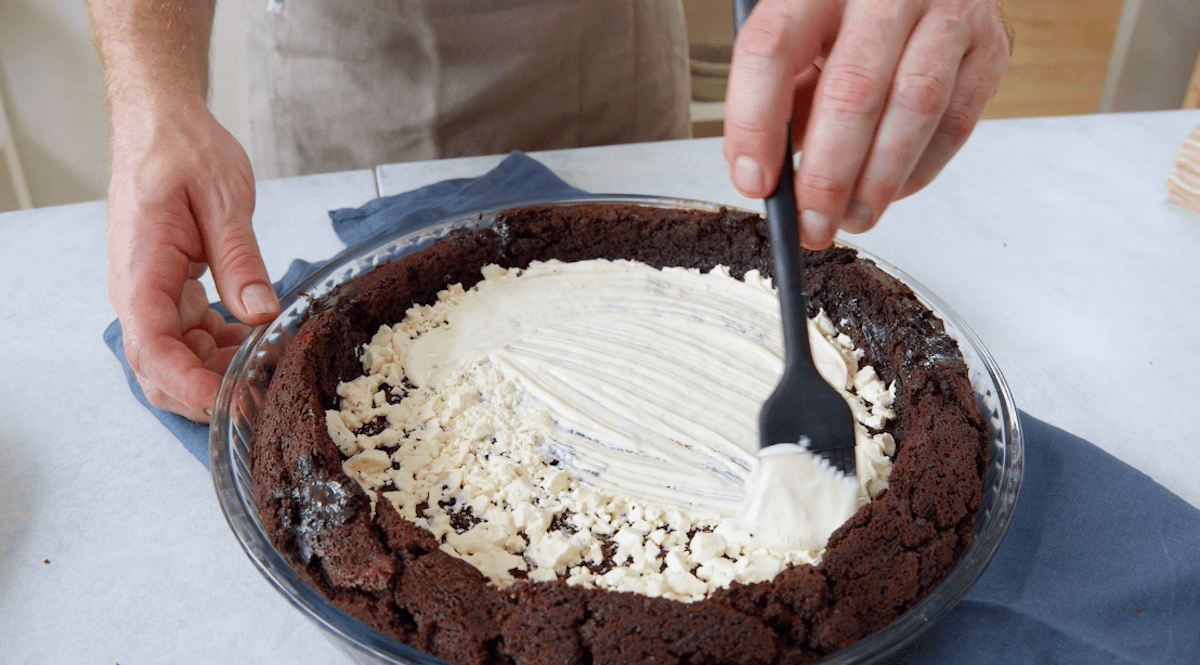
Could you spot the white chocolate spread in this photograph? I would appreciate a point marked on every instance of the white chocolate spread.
(597, 422)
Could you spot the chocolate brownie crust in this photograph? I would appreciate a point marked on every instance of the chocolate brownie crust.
(390, 573)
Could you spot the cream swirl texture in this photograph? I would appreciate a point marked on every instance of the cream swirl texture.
(610, 402)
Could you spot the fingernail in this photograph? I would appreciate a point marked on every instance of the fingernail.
(259, 299)
(858, 216)
(747, 175)
(814, 226)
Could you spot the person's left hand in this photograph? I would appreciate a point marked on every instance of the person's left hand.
(880, 93)
(180, 200)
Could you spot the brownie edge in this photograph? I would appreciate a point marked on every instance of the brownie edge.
(390, 573)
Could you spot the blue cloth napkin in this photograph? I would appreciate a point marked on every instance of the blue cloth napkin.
(517, 179)
(1100, 565)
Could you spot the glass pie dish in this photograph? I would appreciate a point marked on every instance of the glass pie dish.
(244, 387)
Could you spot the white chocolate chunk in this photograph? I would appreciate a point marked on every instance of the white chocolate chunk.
(475, 449)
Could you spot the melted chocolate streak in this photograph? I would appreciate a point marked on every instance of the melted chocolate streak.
(390, 573)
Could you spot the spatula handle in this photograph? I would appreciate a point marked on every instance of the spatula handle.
(741, 9)
(785, 239)
(789, 262)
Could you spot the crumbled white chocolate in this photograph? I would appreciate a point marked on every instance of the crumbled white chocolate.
(467, 460)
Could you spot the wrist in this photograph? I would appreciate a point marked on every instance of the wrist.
(164, 122)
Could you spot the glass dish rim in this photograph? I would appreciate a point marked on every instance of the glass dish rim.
(357, 637)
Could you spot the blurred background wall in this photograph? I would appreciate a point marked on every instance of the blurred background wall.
(1071, 57)
(54, 100)
(52, 93)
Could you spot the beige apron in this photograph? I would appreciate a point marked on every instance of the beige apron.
(344, 84)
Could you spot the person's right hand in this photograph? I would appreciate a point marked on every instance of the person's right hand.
(879, 94)
(180, 198)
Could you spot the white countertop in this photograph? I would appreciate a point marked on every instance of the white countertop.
(1050, 237)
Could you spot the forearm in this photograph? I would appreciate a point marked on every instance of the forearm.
(153, 51)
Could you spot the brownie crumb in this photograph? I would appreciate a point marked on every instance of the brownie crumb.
(561, 522)
(373, 426)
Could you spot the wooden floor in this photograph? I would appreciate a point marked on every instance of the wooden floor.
(1059, 61)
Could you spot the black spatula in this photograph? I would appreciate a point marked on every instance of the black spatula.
(804, 409)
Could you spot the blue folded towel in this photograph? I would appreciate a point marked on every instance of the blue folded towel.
(1100, 565)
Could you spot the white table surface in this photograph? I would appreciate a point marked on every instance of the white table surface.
(1050, 236)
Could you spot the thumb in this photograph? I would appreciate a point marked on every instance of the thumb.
(240, 275)
(232, 251)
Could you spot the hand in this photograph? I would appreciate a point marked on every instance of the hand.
(880, 93)
(179, 200)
